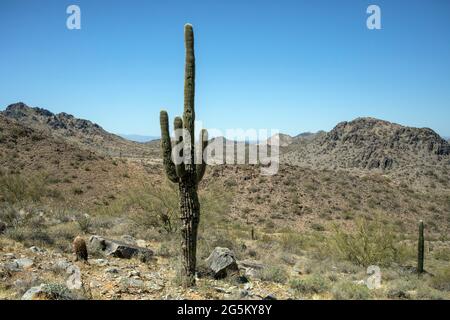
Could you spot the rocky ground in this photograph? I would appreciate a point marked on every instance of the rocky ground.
(26, 271)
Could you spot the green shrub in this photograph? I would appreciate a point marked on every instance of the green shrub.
(441, 279)
(273, 273)
(371, 243)
(85, 224)
(310, 284)
(345, 290)
(17, 188)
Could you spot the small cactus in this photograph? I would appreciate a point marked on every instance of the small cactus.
(420, 249)
(80, 249)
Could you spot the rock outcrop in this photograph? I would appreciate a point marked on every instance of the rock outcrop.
(119, 249)
(222, 262)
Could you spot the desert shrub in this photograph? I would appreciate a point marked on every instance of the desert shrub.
(442, 254)
(424, 292)
(10, 215)
(165, 250)
(310, 284)
(293, 242)
(346, 290)
(441, 279)
(30, 236)
(370, 243)
(273, 273)
(84, 223)
(154, 207)
(17, 188)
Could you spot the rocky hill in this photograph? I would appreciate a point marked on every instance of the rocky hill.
(368, 143)
(77, 131)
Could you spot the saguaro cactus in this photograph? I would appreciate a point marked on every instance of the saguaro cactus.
(187, 174)
(420, 249)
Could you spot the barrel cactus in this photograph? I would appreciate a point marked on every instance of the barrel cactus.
(187, 174)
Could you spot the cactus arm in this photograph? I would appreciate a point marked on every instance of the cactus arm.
(166, 147)
(178, 126)
(201, 167)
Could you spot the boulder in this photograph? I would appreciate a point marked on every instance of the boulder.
(48, 292)
(119, 249)
(221, 262)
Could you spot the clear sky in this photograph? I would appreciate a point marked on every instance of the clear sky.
(290, 65)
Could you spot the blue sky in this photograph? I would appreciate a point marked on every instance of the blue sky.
(290, 65)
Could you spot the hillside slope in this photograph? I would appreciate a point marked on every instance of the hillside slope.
(78, 131)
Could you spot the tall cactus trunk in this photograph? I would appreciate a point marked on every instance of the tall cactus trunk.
(190, 218)
(420, 249)
(187, 173)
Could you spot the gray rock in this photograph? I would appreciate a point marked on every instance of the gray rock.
(23, 263)
(62, 265)
(74, 282)
(48, 292)
(11, 266)
(131, 282)
(222, 262)
(251, 268)
(113, 270)
(35, 249)
(119, 249)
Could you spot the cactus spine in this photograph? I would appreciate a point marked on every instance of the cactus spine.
(186, 174)
(420, 249)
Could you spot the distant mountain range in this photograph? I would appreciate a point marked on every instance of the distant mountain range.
(364, 143)
(138, 138)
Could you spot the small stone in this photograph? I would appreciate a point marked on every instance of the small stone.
(62, 265)
(134, 273)
(100, 262)
(35, 249)
(131, 282)
(113, 270)
(24, 263)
